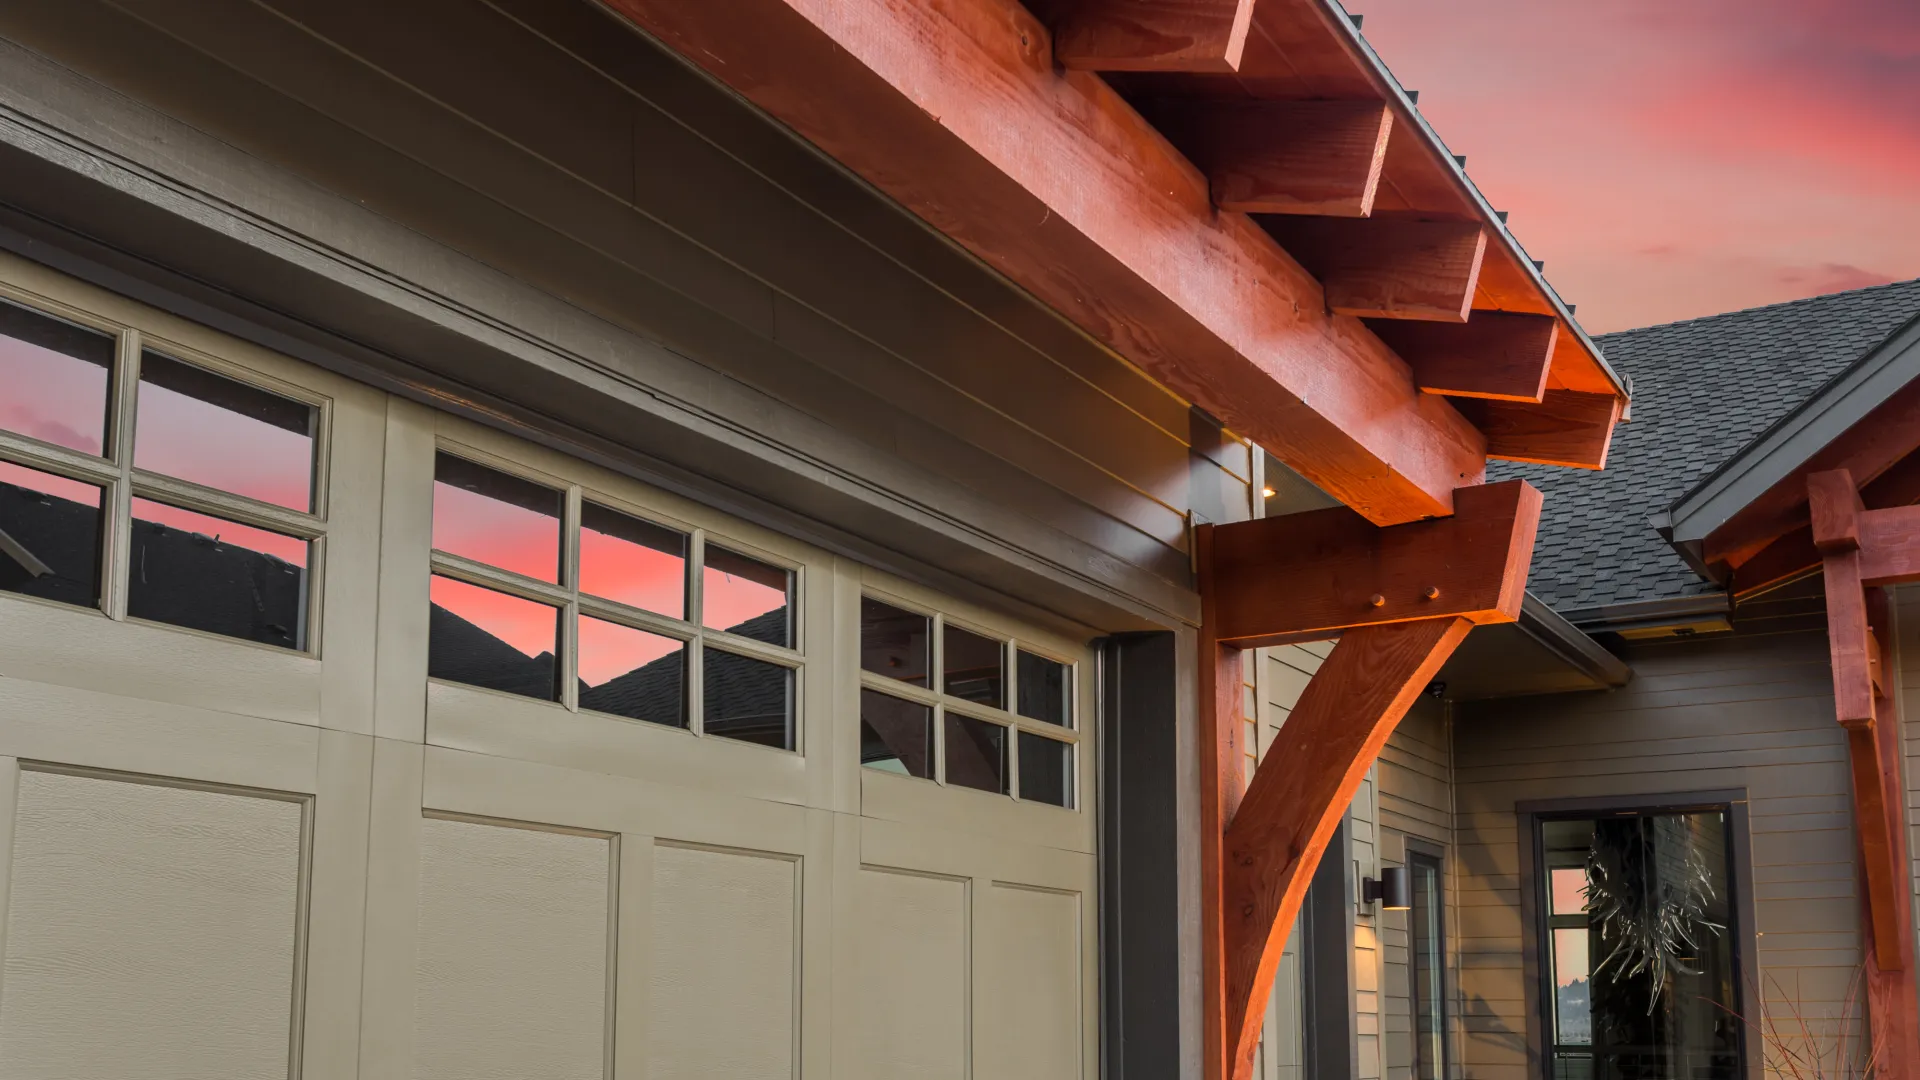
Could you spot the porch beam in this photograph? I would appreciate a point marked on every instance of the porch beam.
(1312, 158)
(1499, 355)
(1153, 35)
(957, 111)
(1400, 600)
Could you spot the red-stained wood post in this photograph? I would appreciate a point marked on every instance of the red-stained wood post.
(1856, 548)
(1400, 599)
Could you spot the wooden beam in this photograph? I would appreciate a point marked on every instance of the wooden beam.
(1153, 35)
(1275, 840)
(1317, 158)
(1792, 556)
(1566, 428)
(1499, 355)
(1308, 576)
(1893, 1002)
(1890, 545)
(957, 112)
(1390, 267)
(1221, 726)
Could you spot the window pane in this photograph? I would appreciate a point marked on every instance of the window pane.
(894, 642)
(976, 753)
(1427, 949)
(487, 516)
(210, 574)
(49, 536)
(747, 699)
(1046, 770)
(895, 735)
(746, 597)
(632, 673)
(1572, 989)
(491, 640)
(212, 430)
(1569, 890)
(1045, 693)
(55, 378)
(975, 667)
(633, 562)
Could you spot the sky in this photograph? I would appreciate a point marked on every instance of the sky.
(1669, 161)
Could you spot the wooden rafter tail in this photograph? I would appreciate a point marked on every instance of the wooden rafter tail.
(1153, 35)
(1498, 355)
(1290, 811)
(1316, 158)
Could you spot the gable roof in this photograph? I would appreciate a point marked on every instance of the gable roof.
(1703, 390)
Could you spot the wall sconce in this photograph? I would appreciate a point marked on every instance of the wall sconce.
(1393, 889)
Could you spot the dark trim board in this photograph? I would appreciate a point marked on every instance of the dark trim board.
(1328, 1010)
(1740, 856)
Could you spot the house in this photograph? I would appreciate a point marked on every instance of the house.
(774, 538)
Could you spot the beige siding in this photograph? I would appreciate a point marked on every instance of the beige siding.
(1414, 795)
(1907, 676)
(1750, 710)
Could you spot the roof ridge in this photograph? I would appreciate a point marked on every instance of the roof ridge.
(1907, 282)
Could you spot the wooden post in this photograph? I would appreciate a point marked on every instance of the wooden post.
(1400, 600)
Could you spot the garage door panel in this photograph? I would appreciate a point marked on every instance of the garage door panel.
(152, 930)
(513, 952)
(1030, 994)
(911, 981)
(723, 964)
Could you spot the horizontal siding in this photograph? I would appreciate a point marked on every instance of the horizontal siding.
(1752, 710)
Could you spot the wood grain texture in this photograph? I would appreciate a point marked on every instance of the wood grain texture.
(1567, 428)
(1153, 35)
(1499, 355)
(724, 987)
(512, 954)
(1318, 158)
(1310, 575)
(1321, 755)
(957, 112)
(1390, 267)
(151, 932)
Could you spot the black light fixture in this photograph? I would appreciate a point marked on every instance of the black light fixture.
(1393, 889)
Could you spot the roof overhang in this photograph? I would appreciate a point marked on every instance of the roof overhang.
(1236, 197)
(1746, 525)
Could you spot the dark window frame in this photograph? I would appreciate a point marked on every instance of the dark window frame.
(1533, 910)
(1419, 848)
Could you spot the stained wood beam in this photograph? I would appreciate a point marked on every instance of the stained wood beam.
(1792, 556)
(1391, 268)
(1153, 35)
(1308, 576)
(1320, 158)
(1567, 428)
(1498, 355)
(957, 112)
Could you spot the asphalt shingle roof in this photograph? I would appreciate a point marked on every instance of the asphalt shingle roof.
(1702, 390)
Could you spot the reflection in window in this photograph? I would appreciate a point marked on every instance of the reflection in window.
(1046, 770)
(747, 597)
(49, 536)
(976, 753)
(488, 639)
(490, 517)
(746, 699)
(894, 642)
(974, 666)
(632, 673)
(632, 562)
(1639, 967)
(55, 376)
(896, 735)
(1426, 944)
(207, 573)
(211, 430)
(1045, 690)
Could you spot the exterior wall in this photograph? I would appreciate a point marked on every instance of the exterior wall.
(1906, 613)
(1749, 710)
(1413, 785)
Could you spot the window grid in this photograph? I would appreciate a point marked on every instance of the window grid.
(1006, 717)
(573, 603)
(121, 483)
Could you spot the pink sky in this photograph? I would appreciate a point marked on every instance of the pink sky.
(1676, 160)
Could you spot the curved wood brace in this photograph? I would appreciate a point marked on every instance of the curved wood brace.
(1289, 813)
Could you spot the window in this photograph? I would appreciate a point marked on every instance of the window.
(1639, 969)
(977, 724)
(152, 482)
(544, 590)
(1427, 967)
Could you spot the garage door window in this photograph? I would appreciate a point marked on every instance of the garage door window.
(544, 590)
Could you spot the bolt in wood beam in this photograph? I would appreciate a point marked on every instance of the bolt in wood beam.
(1390, 267)
(1317, 158)
(1153, 35)
(1498, 355)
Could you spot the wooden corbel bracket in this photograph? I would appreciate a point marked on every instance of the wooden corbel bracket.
(1399, 599)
